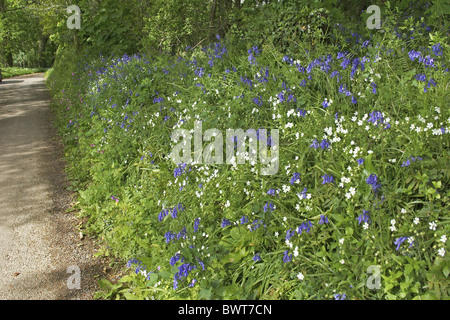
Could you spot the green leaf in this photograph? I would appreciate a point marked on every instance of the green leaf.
(205, 294)
(130, 296)
(446, 271)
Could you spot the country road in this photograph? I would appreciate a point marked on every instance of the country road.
(39, 241)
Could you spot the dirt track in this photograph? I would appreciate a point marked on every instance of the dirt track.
(38, 239)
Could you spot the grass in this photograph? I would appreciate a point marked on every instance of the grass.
(10, 72)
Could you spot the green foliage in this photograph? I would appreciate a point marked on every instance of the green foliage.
(14, 71)
(116, 115)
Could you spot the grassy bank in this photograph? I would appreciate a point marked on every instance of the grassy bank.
(361, 182)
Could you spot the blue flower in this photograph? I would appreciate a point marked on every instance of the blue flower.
(305, 226)
(289, 234)
(421, 77)
(363, 217)
(225, 222)
(324, 144)
(315, 144)
(360, 161)
(327, 179)
(437, 49)
(256, 224)
(268, 206)
(295, 177)
(323, 219)
(399, 241)
(376, 117)
(373, 181)
(340, 296)
(196, 223)
(244, 219)
(257, 257)
(286, 257)
(413, 55)
(302, 195)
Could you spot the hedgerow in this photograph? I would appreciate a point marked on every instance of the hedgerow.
(362, 182)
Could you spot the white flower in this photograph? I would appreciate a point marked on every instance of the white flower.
(393, 222)
(441, 252)
(433, 225)
(416, 220)
(276, 234)
(341, 241)
(296, 252)
(403, 210)
(443, 238)
(342, 261)
(366, 225)
(300, 276)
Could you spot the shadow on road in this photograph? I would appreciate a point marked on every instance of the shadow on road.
(7, 81)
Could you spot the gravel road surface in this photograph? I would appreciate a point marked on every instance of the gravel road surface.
(40, 246)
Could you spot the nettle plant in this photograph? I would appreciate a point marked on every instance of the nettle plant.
(360, 136)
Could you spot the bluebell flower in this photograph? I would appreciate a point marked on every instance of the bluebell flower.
(376, 117)
(301, 112)
(131, 262)
(360, 161)
(315, 144)
(323, 219)
(256, 224)
(257, 257)
(305, 226)
(196, 223)
(191, 285)
(341, 55)
(170, 236)
(302, 195)
(399, 241)
(325, 103)
(324, 144)
(289, 234)
(327, 179)
(175, 259)
(244, 219)
(295, 177)
(225, 222)
(268, 206)
(373, 181)
(437, 49)
(286, 257)
(421, 77)
(406, 163)
(340, 296)
(200, 262)
(413, 55)
(364, 217)
(345, 63)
